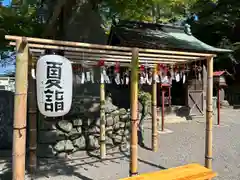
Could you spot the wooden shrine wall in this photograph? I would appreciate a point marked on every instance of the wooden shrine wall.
(196, 93)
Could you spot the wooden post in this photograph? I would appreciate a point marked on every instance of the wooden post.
(20, 112)
(218, 105)
(134, 113)
(163, 107)
(154, 111)
(209, 114)
(102, 118)
(32, 114)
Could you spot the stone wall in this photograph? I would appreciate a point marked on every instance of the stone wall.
(80, 129)
(6, 119)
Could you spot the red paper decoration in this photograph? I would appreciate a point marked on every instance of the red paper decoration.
(159, 66)
(101, 63)
(76, 67)
(183, 67)
(142, 68)
(117, 67)
(165, 68)
(177, 68)
(174, 68)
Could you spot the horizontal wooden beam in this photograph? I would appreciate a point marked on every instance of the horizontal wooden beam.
(127, 59)
(99, 53)
(122, 54)
(120, 60)
(122, 64)
(159, 60)
(117, 58)
(152, 56)
(90, 62)
(106, 47)
(92, 59)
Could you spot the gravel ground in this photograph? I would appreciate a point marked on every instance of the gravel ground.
(185, 145)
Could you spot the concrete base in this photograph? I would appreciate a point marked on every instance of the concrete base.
(221, 125)
(174, 114)
(166, 131)
(172, 118)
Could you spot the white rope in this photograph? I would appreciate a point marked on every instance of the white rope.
(82, 70)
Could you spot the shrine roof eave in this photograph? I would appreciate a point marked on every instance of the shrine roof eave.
(160, 36)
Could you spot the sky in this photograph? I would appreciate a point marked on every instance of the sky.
(4, 70)
(6, 2)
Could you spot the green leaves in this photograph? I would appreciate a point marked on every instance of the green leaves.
(19, 21)
(150, 10)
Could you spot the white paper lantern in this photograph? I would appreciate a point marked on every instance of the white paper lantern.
(54, 85)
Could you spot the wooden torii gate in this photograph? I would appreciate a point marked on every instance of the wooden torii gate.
(29, 48)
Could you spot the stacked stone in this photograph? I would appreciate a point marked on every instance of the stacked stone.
(72, 135)
(83, 131)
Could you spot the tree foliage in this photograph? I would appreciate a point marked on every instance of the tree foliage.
(159, 11)
(220, 23)
(149, 10)
(218, 19)
(20, 20)
(17, 19)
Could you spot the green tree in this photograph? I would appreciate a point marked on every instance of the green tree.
(160, 11)
(18, 19)
(220, 23)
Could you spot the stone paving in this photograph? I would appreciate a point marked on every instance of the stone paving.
(183, 146)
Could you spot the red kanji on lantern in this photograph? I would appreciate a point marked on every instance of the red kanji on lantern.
(101, 63)
(117, 67)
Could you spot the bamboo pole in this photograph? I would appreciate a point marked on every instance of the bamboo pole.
(77, 55)
(102, 118)
(20, 111)
(123, 58)
(154, 111)
(134, 114)
(32, 112)
(94, 59)
(111, 63)
(209, 114)
(140, 55)
(174, 58)
(107, 47)
(100, 52)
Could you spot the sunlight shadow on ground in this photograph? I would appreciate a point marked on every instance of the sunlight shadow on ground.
(70, 167)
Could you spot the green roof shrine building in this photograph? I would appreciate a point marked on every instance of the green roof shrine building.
(190, 94)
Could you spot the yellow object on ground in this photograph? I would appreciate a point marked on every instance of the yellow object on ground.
(186, 172)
